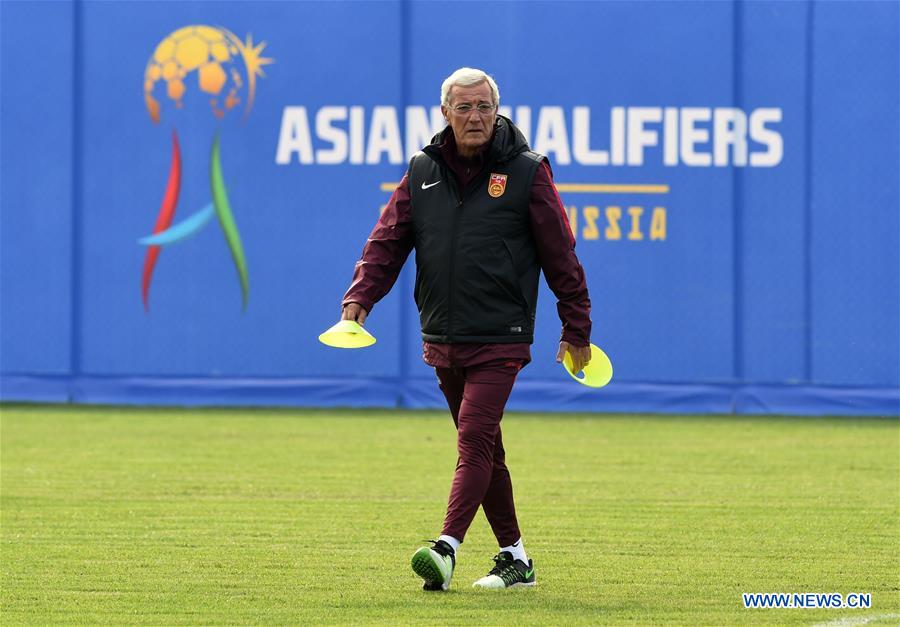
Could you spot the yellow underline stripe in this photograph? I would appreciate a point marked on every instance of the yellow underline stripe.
(600, 188)
(586, 188)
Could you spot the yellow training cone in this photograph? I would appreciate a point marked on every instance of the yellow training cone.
(596, 374)
(347, 334)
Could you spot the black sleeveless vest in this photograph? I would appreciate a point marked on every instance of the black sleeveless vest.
(477, 267)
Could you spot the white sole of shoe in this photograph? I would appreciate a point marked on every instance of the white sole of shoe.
(497, 584)
(432, 568)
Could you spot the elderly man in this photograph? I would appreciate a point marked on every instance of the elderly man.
(483, 215)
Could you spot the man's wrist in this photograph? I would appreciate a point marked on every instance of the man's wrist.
(364, 305)
(576, 340)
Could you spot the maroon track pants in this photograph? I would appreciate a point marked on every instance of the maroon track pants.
(477, 396)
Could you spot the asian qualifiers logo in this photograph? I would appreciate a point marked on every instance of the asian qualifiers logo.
(215, 61)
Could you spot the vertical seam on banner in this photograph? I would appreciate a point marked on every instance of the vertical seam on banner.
(562, 207)
(76, 172)
(737, 207)
(807, 198)
(403, 361)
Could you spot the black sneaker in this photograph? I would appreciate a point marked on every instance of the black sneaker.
(507, 573)
(435, 565)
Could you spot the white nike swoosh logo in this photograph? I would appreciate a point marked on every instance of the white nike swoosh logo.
(424, 186)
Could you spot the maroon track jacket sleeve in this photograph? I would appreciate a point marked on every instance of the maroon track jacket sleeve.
(385, 252)
(556, 250)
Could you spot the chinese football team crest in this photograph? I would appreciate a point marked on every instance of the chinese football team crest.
(497, 185)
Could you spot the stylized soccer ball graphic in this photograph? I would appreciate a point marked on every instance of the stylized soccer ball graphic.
(213, 53)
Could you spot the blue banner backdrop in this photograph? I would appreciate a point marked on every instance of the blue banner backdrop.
(730, 172)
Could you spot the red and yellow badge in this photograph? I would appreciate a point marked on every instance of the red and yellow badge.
(497, 185)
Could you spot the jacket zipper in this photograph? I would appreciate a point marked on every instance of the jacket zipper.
(459, 203)
(454, 184)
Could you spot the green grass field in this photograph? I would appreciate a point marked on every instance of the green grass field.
(161, 516)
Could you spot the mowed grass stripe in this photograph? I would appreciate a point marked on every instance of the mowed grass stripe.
(163, 516)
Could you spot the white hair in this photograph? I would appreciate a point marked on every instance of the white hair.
(466, 77)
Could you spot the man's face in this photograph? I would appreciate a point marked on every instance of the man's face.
(472, 129)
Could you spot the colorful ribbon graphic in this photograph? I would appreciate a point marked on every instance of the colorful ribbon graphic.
(226, 219)
(164, 233)
(166, 213)
(182, 230)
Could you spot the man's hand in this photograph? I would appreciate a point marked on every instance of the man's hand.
(581, 355)
(355, 312)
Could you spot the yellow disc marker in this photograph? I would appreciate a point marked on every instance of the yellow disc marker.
(596, 374)
(347, 334)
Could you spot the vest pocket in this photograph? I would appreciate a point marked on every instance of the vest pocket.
(487, 294)
(526, 306)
